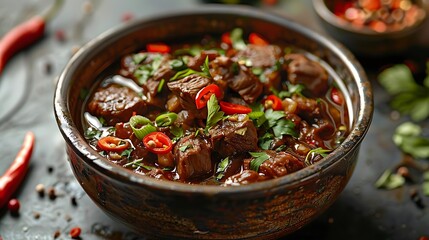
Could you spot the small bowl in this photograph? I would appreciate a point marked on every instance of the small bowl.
(364, 41)
(166, 209)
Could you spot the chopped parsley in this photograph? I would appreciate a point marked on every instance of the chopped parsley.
(177, 132)
(214, 115)
(185, 147)
(258, 159)
(408, 137)
(145, 71)
(221, 167)
(205, 72)
(92, 133)
(127, 153)
(409, 98)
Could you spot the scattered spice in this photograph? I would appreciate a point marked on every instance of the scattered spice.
(40, 189)
(48, 68)
(404, 172)
(73, 201)
(415, 197)
(75, 49)
(36, 215)
(87, 7)
(13, 205)
(52, 193)
(75, 232)
(127, 16)
(57, 234)
(60, 35)
(68, 218)
(50, 169)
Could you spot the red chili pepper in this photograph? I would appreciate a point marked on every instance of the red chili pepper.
(254, 38)
(273, 102)
(75, 232)
(113, 144)
(158, 48)
(158, 143)
(232, 108)
(205, 93)
(336, 96)
(24, 35)
(226, 38)
(14, 175)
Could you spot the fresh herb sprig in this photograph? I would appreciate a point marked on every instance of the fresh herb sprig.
(205, 71)
(408, 137)
(258, 159)
(409, 98)
(214, 115)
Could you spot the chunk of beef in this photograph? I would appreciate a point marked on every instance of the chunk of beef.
(116, 103)
(186, 90)
(244, 177)
(306, 108)
(278, 164)
(196, 62)
(260, 56)
(302, 70)
(193, 157)
(238, 77)
(234, 136)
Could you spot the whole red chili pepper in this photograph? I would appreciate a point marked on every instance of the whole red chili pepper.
(14, 175)
(24, 35)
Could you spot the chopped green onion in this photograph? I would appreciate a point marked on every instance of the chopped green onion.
(160, 85)
(165, 119)
(236, 36)
(141, 126)
(177, 65)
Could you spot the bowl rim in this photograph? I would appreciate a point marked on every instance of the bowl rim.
(326, 14)
(79, 145)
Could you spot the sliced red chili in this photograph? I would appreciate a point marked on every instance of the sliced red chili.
(205, 93)
(158, 48)
(337, 96)
(273, 102)
(113, 144)
(232, 108)
(256, 39)
(158, 143)
(226, 38)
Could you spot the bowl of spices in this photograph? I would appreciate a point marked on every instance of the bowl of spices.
(373, 28)
(171, 161)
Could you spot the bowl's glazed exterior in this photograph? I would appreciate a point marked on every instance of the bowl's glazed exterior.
(174, 210)
(365, 42)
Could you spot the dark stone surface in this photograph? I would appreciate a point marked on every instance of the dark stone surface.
(26, 93)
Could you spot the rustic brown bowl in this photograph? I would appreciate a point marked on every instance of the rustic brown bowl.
(365, 42)
(167, 209)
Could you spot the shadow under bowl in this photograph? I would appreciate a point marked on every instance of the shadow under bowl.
(165, 209)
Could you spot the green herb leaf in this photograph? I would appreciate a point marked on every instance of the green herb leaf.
(408, 138)
(138, 58)
(258, 118)
(397, 79)
(177, 132)
(408, 97)
(284, 127)
(92, 133)
(127, 153)
(184, 147)
(205, 67)
(236, 36)
(193, 51)
(214, 115)
(160, 85)
(221, 167)
(310, 155)
(389, 180)
(183, 74)
(273, 117)
(266, 141)
(258, 159)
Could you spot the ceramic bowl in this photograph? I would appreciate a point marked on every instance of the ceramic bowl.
(364, 41)
(165, 209)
